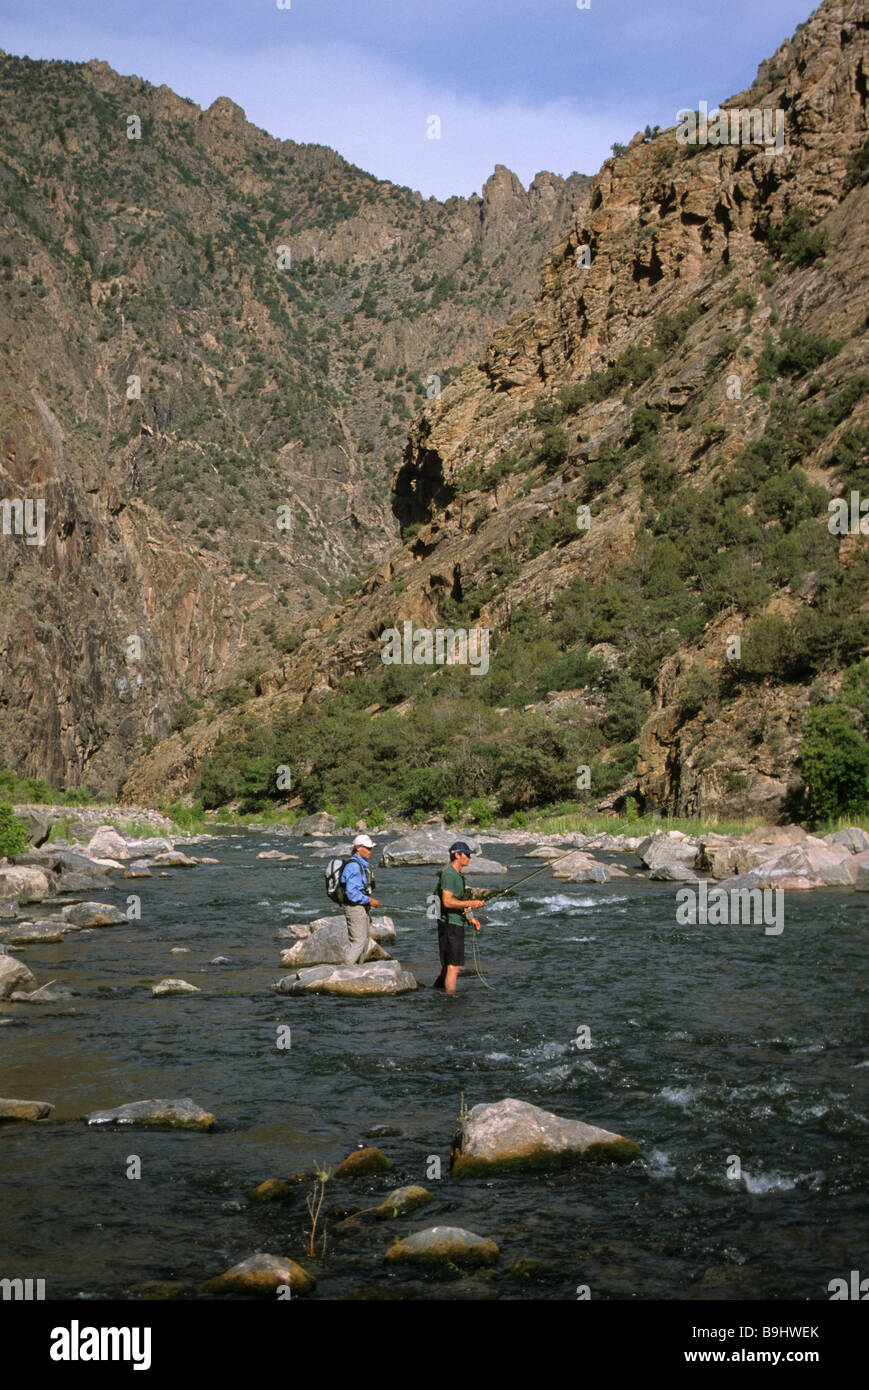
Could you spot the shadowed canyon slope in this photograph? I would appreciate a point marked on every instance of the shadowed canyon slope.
(700, 387)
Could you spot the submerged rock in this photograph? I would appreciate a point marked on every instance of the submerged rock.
(174, 859)
(403, 1201)
(443, 1245)
(41, 996)
(170, 986)
(162, 1114)
(277, 854)
(512, 1134)
(263, 1275)
(25, 1109)
(362, 1162)
(272, 1190)
(383, 977)
(13, 975)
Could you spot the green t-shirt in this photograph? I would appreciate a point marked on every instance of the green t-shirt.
(451, 880)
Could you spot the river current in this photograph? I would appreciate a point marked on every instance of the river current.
(736, 1059)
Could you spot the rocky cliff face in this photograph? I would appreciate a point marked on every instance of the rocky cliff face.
(645, 456)
(212, 342)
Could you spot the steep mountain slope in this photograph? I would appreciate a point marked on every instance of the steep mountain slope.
(700, 387)
(212, 342)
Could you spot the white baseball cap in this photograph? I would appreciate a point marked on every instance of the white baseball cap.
(364, 840)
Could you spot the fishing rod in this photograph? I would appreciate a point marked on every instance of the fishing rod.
(499, 892)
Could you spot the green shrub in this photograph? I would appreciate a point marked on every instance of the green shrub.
(796, 241)
(13, 832)
(834, 759)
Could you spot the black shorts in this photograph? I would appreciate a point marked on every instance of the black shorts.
(451, 943)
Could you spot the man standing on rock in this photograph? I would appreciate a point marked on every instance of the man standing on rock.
(358, 884)
(454, 897)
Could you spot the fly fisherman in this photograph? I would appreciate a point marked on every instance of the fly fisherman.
(357, 881)
(455, 902)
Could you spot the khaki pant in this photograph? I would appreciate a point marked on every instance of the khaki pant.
(358, 921)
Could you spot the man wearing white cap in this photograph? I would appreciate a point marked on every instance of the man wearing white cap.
(357, 882)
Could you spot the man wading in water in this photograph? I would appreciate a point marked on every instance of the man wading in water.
(453, 893)
(358, 886)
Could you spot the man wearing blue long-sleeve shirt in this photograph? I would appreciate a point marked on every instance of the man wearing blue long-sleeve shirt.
(357, 882)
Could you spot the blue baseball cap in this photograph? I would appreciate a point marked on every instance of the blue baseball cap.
(459, 847)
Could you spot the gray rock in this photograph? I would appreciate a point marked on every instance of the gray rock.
(670, 857)
(25, 1109)
(170, 986)
(426, 847)
(26, 933)
(328, 946)
(275, 854)
(137, 868)
(358, 981)
(443, 1245)
(94, 915)
(174, 859)
(853, 839)
(514, 1135)
(14, 974)
(220, 960)
(25, 883)
(162, 1114)
(320, 824)
(485, 866)
(580, 867)
(38, 827)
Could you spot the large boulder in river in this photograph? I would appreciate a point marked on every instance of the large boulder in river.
(580, 867)
(156, 1114)
(512, 1134)
(25, 883)
(172, 986)
(94, 915)
(14, 974)
(443, 1245)
(327, 946)
(670, 857)
(357, 981)
(108, 843)
(426, 847)
(263, 1275)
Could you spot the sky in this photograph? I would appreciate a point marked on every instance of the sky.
(533, 84)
